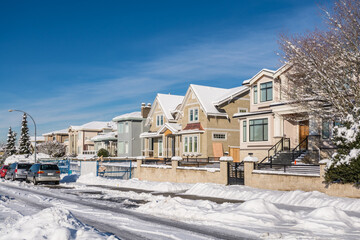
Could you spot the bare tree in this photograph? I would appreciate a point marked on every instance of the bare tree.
(52, 148)
(325, 65)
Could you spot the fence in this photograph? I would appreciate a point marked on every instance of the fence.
(115, 169)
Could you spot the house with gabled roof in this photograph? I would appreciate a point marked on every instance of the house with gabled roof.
(199, 124)
(276, 128)
(162, 112)
(80, 137)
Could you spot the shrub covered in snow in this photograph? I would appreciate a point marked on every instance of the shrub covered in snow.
(345, 164)
(52, 148)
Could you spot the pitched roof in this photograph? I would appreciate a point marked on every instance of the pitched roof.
(106, 136)
(96, 126)
(230, 94)
(128, 116)
(62, 131)
(169, 103)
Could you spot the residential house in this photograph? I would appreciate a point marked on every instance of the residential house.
(61, 136)
(80, 136)
(106, 141)
(129, 128)
(275, 124)
(198, 125)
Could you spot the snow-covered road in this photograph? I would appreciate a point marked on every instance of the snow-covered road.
(106, 216)
(97, 208)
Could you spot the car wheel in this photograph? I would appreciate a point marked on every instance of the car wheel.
(57, 183)
(13, 178)
(34, 181)
(27, 180)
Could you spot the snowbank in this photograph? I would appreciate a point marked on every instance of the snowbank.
(51, 223)
(134, 183)
(25, 158)
(298, 198)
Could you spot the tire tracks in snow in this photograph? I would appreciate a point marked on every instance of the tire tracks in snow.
(125, 232)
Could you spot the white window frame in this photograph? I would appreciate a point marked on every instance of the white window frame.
(193, 143)
(121, 147)
(162, 147)
(126, 146)
(159, 120)
(121, 127)
(193, 109)
(219, 139)
(240, 108)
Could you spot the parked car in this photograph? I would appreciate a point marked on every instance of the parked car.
(43, 172)
(3, 170)
(17, 171)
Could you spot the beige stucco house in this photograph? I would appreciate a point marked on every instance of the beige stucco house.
(198, 125)
(274, 119)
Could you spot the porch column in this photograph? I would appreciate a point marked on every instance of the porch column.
(278, 126)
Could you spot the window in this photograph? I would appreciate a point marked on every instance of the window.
(258, 129)
(244, 131)
(121, 147)
(126, 147)
(266, 92)
(126, 127)
(255, 94)
(151, 144)
(160, 147)
(159, 120)
(325, 130)
(121, 127)
(191, 144)
(219, 136)
(242, 110)
(193, 115)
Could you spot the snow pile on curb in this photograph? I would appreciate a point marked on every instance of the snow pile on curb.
(51, 223)
(298, 198)
(260, 218)
(25, 158)
(134, 183)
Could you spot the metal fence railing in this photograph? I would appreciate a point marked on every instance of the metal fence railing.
(115, 169)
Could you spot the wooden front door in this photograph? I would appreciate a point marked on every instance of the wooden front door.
(303, 130)
(235, 154)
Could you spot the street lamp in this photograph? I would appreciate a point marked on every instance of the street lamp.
(13, 110)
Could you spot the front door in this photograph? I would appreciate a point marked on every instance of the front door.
(303, 130)
(173, 146)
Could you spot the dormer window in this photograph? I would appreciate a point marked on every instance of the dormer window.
(193, 115)
(159, 120)
(266, 92)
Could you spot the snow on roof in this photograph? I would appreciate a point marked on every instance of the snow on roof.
(233, 92)
(95, 125)
(206, 95)
(128, 116)
(103, 137)
(173, 127)
(62, 131)
(169, 103)
(38, 139)
(263, 71)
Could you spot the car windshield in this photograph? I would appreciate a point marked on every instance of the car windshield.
(24, 166)
(49, 167)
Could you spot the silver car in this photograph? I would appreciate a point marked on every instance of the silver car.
(17, 171)
(43, 172)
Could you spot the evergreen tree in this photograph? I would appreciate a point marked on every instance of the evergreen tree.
(10, 145)
(344, 166)
(24, 141)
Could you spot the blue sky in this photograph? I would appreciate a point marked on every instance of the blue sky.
(71, 62)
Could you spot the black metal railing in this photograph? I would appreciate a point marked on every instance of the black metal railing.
(302, 147)
(236, 173)
(282, 145)
(157, 161)
(289, 168)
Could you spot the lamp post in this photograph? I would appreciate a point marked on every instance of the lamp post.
(13, 110)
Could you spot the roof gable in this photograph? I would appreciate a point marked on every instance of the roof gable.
(260, 74)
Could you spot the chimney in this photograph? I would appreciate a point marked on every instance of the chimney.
(145, 110)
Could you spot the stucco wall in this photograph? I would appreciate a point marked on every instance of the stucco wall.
(181, 175)
(292, 183)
